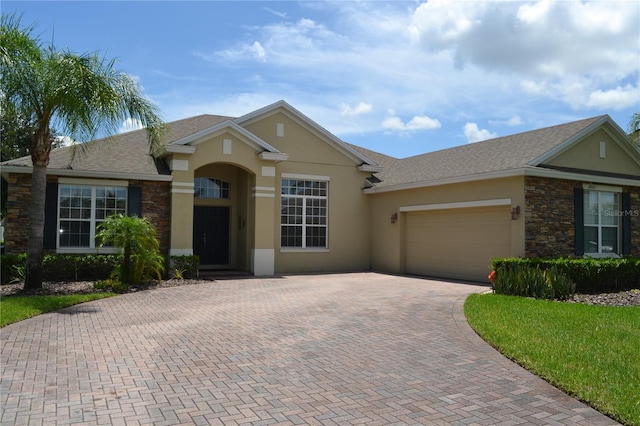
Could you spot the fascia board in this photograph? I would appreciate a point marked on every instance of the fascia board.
(558, 174)
(273, 156)
(179, 149)
(526, 171)
(445, 181)
(370, 168)
(305, 121)
(89, 174)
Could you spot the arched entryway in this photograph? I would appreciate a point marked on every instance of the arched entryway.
(222, 216)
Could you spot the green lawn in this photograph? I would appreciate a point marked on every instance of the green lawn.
(17, 308)
(590, 352)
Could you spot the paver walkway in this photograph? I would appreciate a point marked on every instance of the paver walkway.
(341, 349)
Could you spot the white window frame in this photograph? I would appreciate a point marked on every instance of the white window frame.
(599, 226)
(93, 221)
(305, 225)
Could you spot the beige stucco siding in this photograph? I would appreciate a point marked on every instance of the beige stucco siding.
(348, 217)
(586, 155)
(348, 222)
(389, 244)
(303, 145)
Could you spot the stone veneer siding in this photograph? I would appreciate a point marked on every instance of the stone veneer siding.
(156, 205)
(549, 217)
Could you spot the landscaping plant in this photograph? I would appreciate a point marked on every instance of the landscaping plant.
(136, 237)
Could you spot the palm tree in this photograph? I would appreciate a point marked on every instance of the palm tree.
(80, 94)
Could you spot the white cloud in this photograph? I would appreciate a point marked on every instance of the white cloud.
(474, 134)
(360, 108)
(416, 123)
(618, 98)
(130, 124)
(242, 52)
(458, 60)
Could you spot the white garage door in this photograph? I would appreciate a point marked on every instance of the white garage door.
(457, 243)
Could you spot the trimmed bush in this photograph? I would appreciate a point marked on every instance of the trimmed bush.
(63, 267)
(588, 274)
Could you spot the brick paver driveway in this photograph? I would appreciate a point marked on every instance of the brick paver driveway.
(362, 348)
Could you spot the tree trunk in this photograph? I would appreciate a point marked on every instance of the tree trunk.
(35, 251)
(40, 151)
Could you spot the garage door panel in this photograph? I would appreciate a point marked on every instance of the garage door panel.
(457, 243)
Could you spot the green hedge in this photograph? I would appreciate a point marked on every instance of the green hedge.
(588, 274)
(83, 267)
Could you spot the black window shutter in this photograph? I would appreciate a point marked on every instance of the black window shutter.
(134, 201)
(578, 211)
(50, 235)
(626, 223)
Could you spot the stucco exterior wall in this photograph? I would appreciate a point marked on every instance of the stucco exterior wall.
(388, 237)
(586, 155)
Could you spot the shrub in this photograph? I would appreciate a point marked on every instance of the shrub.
(137, 238)
(10, 263)
(74, 267)
(524, 280)
(588, 274)
(184, 266)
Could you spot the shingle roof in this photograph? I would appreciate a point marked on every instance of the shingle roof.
(129, 153)
(494, 155)
(123, 153)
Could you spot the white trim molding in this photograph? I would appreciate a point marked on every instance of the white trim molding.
(304, 177)
(97, 182)
(457, 205)
(601, 188)
(180, 252)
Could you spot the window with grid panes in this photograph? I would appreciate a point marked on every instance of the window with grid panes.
(82, 208)
(303, 218)
(211, 188)
(601, 222)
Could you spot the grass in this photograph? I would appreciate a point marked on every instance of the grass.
(17, 308)
(590, 352)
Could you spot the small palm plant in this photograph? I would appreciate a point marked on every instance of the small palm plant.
(140, 248)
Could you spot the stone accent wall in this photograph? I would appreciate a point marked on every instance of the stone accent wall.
(549, 217)
(16, 231)
(156, 205)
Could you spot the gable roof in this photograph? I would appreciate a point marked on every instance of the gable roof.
(491, 157)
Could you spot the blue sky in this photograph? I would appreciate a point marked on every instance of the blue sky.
(401, 77)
